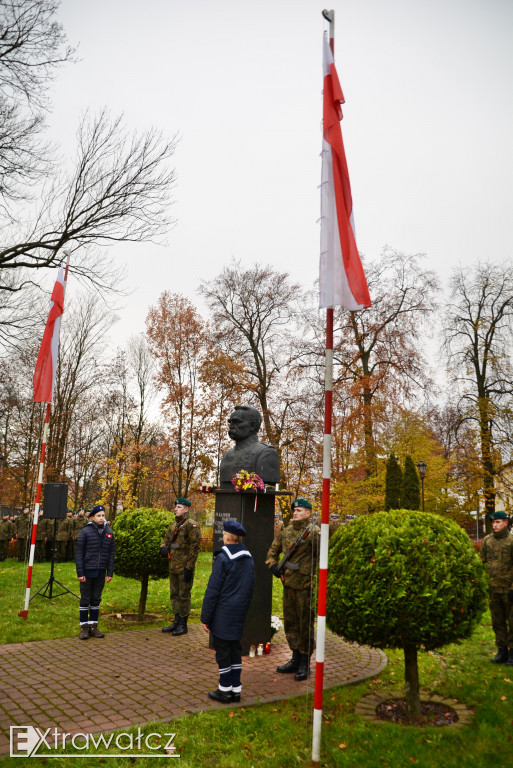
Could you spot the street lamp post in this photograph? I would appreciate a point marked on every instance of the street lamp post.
(421, 466)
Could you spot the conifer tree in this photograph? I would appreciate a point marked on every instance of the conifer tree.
(410, 487)
(393, 481)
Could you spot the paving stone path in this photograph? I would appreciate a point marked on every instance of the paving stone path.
(145, 675)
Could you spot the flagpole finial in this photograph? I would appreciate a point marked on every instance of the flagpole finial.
(329, 15)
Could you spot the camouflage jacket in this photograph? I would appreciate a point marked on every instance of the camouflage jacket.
(6, 530)
(65, 528)
(303, 560)
(184, 549)
(44, 528)
(78, 523)
(23, 525)
(497, 554)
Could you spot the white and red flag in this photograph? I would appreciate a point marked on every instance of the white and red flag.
(341, 277)
(46, 364)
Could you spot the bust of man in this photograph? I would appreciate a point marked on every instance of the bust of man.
(248, 452)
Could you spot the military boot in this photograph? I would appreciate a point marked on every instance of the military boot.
(94, 631)
(304, 668)
(173, 625)
(509, 662)
(502, 656)
(181, 627)
(292, 665)
(84, 632)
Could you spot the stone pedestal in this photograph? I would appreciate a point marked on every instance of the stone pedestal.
(259, 525)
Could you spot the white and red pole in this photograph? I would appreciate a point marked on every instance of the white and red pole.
(24, 612)
(325, 513)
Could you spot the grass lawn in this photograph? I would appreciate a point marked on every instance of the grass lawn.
(279, 734)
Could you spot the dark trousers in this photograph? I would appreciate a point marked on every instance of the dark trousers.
(501, 610)
(90, 599)
(229, 661)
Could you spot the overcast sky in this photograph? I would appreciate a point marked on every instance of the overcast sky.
(427, 127)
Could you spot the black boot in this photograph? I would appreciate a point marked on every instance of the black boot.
(502, 656)
(304, 668)
(217, 695)
(181, 627)
(292, 665)
(173, 625)
(509, 662)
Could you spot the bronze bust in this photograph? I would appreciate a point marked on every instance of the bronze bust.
(248, 453)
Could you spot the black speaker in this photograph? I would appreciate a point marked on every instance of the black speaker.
(55, 502)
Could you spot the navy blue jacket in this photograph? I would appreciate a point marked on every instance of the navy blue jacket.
(228, 592)
(95, 550)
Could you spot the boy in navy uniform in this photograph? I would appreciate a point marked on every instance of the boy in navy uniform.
(225, 606)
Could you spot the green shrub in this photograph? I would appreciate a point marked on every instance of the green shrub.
(138, 534)
(404, 579)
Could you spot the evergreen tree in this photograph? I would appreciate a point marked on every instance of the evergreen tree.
(410, 488)
(393, 480)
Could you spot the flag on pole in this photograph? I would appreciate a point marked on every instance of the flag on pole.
(46, 364)
(341, 277)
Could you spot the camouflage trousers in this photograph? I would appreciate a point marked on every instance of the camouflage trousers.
(501, 610)
(180, 594)
(4, 548)
(298, 618)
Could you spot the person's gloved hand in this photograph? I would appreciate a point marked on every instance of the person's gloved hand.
(163, 552)
(274, 570)
(510, 595)
(188, 573)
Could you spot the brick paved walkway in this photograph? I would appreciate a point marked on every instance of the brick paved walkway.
(147, 676)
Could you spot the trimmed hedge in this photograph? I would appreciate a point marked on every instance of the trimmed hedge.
(138, 533)
(403, 578)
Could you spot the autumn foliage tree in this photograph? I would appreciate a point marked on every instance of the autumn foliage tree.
(179, 341)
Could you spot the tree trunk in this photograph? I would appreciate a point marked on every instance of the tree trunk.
(411, 678)
(143, 597)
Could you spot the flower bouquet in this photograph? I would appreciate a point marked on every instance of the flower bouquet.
(247, 481)
(276, 624)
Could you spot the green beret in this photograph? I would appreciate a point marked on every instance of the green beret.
(301, 503)
(498, 516)
(186, 502)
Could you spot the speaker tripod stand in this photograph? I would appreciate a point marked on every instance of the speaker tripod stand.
(47, 589)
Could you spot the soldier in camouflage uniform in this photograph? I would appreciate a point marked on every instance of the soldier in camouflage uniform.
(64, 534)
(42, 533)
(181, 545)
(298, 578)
(6, 534)
(23, 530)
(497, 554)
(78, 523)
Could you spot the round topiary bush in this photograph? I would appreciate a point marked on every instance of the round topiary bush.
(138, 534)
(404, 579)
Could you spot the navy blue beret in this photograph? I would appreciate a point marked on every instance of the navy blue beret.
(232, 526)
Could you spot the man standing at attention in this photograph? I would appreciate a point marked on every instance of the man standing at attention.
(299, 543)
(95, 566)
(181, 546)
(497, 554)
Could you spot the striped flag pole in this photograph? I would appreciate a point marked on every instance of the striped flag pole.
(43, 391)
(24, 613)
(325, 511)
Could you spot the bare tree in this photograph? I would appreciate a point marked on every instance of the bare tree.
(118, 188)
(378, 350)
(478, 339)
(254, 314)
